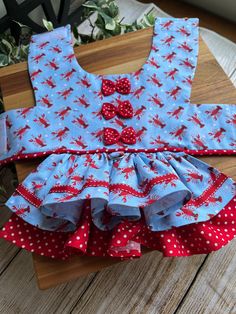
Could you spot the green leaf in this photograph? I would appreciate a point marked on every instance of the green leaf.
(48, 25)
(90, 4)
(147, 20)
(20, 24)
(123, 29)
(114, 9)
(110, 23)
(23, 52)
(151, 17)
(4, 60)
(75, 32)
(100, 22)
(8, 45)
(2, 189)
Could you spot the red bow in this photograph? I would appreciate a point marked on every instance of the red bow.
(124, 110)
(112, 136)
(122, 86)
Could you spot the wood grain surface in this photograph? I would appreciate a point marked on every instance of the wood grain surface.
(124, 54)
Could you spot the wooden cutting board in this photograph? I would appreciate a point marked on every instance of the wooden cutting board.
(120, 54)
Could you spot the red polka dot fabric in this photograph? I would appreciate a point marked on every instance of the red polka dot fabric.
(125, 240)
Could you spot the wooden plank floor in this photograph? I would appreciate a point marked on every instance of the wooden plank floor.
(153, 284)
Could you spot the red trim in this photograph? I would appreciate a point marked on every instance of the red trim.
(72, 190)
(197, 202)
(125, 150)
(29, 196)
(168, 178)
(114, 187)
(33, 199)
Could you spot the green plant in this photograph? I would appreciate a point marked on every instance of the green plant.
(10, 52)
(108, 23)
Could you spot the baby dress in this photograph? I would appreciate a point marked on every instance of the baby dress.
(120, 171)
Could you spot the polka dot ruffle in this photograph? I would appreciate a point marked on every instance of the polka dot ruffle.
(124, 241)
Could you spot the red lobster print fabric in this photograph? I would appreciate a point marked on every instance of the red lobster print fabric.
(120, 171)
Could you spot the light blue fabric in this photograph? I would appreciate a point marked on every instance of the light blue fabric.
(74, 123)
(161, 205)
(67, 119)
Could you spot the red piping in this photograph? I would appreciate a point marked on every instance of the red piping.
(204, 152)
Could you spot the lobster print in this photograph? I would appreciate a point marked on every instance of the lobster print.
(179, 132)
(38, 140)
(174, 92)
(194, 177)
(140, 173)
(83, 101)
(49, 82)
(156, 100)
(187, 213)
(46, 101)
(176, 113)
(214, 113)
(218, 134)
(67, 76)
(21, 131)
(42, 120)
(194, 118)
(52, 64)
(172, 73)
(21, 211)
(199, 142)
(61, 133)
(157, 121)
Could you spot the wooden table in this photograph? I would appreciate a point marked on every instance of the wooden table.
(116, 55)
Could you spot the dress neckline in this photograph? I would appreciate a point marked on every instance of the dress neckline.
(141, 70)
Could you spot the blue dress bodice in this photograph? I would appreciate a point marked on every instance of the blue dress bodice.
(68, 117)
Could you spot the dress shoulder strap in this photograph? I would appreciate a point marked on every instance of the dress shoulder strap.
(175, 49)
(49, 58)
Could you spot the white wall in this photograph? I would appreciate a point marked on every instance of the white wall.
(224, 8)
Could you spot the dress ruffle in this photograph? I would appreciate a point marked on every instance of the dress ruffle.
(164, 189)
(125, 240)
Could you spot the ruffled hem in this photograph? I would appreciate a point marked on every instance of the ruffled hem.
(125, 240)
(165, 189)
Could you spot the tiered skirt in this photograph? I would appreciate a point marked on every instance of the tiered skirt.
(115, 204)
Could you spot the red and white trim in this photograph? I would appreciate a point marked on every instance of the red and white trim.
(197, 202)
(28, 195)
(169, 178)
(116, 187)
(199, 152)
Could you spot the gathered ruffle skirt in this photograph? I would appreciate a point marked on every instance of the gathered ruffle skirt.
(112, 204)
